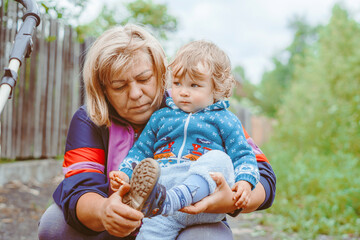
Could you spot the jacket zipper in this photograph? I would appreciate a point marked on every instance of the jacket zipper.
(185, 136)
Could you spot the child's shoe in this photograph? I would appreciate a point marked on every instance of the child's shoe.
(146, 194)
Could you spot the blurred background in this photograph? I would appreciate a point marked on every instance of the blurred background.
(297, 65)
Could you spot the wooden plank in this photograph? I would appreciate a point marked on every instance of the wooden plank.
(2, 35)
(45, 92)
(8, 110)
(18, 97)
(19, 100)
(47, 150)
(71, 76)
(28, 143)
(40, 86)
(56, 136)
(76, 78)
(64, 83)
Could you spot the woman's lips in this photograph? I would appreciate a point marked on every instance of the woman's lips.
(141, 108)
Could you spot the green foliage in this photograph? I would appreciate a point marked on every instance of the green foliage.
(268, 95)
(144, 12)
(50, 38)
(5, 160)
(315, 149)
(54, 9)
(247, 95)
(324, 95)
(316, 194)
(95, 28)
(153, 15)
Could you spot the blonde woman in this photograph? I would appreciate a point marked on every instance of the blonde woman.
(124, 74)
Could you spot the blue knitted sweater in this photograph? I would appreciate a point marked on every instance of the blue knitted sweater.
(173, 136)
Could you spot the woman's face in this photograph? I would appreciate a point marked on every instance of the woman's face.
(132, 92)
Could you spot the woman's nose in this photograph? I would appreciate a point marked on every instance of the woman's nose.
(135, 91)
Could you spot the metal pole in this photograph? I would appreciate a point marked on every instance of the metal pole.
(22, 48)
(5, 89)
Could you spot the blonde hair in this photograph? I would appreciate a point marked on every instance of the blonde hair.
(214, 59)
(112, 53)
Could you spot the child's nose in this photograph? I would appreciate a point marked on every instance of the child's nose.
(184, 92)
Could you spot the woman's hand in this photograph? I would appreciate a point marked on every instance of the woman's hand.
(110, 214)
(220, 201)
(117, 218)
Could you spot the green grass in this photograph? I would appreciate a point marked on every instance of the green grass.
(316, 194)
(5, 160)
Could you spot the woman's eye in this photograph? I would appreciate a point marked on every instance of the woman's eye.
(120, 87)
(176, 83)
(143, 80)
(194, 85)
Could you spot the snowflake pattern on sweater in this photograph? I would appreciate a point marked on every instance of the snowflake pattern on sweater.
(173, 136)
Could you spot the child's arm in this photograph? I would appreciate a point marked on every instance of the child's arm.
(117, 178)
(242, 194)
(240, 151)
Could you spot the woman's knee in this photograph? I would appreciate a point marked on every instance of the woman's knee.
(52, 224)
(210, 231)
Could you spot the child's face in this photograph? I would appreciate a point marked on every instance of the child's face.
(192, 95)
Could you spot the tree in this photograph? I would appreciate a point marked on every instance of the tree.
(324, 96)
(315, 146)
(268, 95)
(145, 12)
(60, 9)
(153, 15)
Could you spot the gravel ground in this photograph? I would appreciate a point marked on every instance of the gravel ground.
(21, 206)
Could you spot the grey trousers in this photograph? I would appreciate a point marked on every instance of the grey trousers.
(52, 226)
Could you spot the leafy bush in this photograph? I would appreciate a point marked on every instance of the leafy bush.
(315, 149)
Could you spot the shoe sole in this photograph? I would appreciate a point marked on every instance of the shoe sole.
(143, 181)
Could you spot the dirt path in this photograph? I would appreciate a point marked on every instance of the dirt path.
(21, 206)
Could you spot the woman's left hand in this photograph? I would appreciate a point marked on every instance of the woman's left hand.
(220, 201)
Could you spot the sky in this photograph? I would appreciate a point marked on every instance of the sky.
(251, 32)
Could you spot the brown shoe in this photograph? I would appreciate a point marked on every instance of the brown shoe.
(144, 178)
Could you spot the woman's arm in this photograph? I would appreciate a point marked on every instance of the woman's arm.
(83, 194)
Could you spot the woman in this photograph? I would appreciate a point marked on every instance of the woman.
(124, 73)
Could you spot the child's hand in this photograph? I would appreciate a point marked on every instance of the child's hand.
(117, 178)
(242, 194)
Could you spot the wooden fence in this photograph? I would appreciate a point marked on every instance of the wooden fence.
(34, 122)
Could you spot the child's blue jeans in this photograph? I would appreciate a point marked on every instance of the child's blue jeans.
(161, 227)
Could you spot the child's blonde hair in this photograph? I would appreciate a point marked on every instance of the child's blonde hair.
(214, 59)
(112, 53)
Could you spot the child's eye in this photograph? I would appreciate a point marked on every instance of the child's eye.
(194, 85)
(176, 84)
